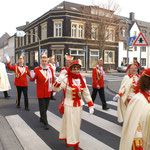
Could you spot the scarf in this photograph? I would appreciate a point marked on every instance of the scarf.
(75, 76)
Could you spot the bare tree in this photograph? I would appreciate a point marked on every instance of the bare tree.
(101, 25)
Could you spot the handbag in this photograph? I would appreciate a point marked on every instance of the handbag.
(61, 105)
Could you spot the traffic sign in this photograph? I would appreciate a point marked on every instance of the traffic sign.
(140, 40)
(131, 40)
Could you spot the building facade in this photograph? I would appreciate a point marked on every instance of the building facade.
(63, 30)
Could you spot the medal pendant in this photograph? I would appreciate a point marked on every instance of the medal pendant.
(79, 94)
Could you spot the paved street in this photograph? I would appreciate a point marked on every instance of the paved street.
(100, 131)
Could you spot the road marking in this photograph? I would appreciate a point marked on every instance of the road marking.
(109, 111)
(102, 123)
(27, 137)
(112, 103)
(87, 142)
(88, 85)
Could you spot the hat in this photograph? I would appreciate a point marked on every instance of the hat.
(51, 58)
(101, 59)
(76, 62)
(131, 65)
(44, 56)
(21, 57)
(69, 58)
(146, 72)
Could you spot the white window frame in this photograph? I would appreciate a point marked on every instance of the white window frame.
(91, 50)
(94, 32)
(60, 30)
(77, 54)
(31, 36)
(77, 30)
(44, 31)
(36, 34)
(109, 57)
(27, 40)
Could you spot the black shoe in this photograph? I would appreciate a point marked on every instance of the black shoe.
(106, 108)
(18, 106)
(7, 97)
(27, 109)
(46, 127)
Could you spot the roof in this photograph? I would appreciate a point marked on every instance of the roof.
(4, 39)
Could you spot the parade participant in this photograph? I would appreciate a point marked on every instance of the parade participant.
(21, 84)
(53, 66)
(75, 87)
(52, 63)
(98, 83)
(68, 60)
(4, 81)
(136, 128)
(127, 90)
(44, 77)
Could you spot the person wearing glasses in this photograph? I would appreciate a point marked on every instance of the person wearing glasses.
(74, 87)
(44, 77)
(21, 72)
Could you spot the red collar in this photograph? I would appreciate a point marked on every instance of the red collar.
(146, 96)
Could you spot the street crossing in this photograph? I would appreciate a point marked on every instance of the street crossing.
(87, 141)
(112, 78)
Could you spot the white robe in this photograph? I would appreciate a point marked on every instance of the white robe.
(4, 82)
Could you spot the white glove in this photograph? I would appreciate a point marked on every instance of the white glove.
(98, 86)
(116, 97)
(7, 58)
(54, 93)
(32, 73)
(61, 77)
(91, 110)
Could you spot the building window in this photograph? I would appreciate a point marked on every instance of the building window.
(143, 49)
(78, 54)
(80, 31)
(36, 34)
(74, 30)
(44, 31)
(124, 46)
(22, 41)
(109, 57)
(94, 33)
(94, 57)
(77, 30)
(16, 42)
(58, 29)
(143, 61)
(124, 60)
(27, 38)
(123, 32)
(110, 36)
(31, 36)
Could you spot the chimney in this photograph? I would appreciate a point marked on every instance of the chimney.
(27, 22)
(132, 16)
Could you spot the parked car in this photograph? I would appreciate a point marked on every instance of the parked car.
(122, 68)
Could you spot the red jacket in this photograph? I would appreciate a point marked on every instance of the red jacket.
(42, 83)
(20, 78)
(97, 78)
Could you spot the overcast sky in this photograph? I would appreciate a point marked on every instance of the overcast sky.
(15, 13)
